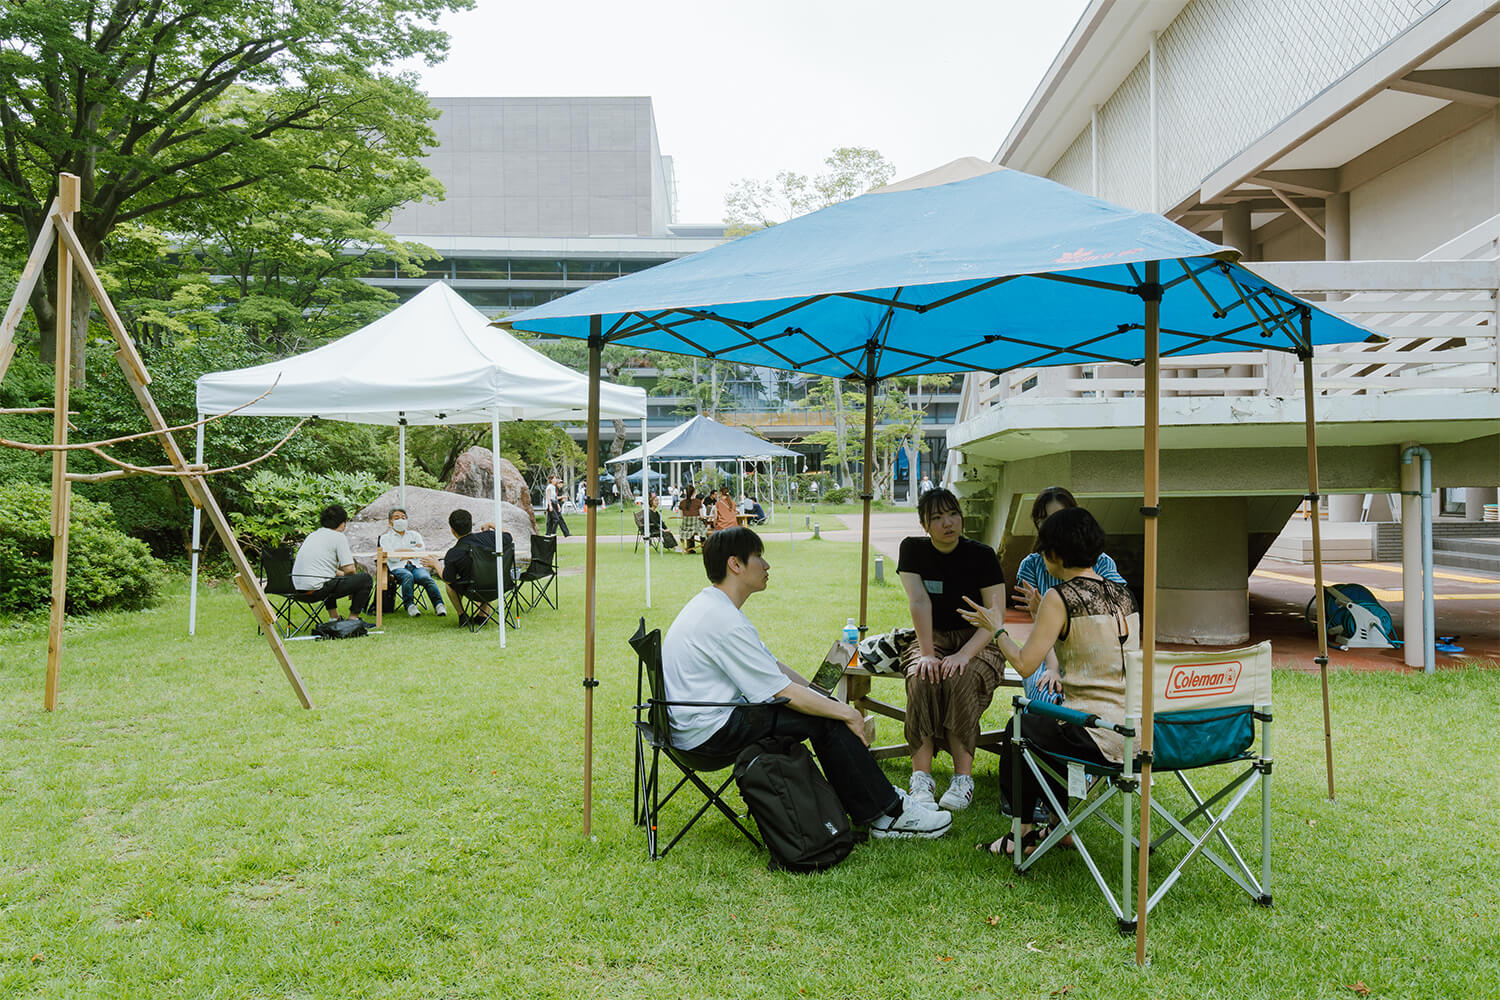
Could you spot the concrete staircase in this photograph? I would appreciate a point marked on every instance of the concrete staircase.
(1467, 553)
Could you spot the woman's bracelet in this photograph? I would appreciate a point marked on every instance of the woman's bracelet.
(1000, 632)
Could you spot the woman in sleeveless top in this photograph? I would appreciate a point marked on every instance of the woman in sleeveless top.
(1090, 623)
(691, 507)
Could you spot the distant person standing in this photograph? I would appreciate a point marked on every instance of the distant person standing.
(582, 492)
(923, 486)
(554, 508)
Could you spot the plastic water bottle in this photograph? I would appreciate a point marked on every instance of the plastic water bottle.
(851, 632)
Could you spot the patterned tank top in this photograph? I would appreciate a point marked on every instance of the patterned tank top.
(1102, 624)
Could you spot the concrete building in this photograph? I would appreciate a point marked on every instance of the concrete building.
(547, 195)
(1351, 150)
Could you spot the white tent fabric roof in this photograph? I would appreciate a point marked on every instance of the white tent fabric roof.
(433, 360)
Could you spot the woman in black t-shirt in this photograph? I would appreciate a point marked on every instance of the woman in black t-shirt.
(952, 669)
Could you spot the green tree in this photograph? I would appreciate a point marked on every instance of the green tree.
(165, 107)
(851, 171)
(899, 412)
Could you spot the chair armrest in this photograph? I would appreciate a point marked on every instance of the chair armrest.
(717, 704)
(1064, 714)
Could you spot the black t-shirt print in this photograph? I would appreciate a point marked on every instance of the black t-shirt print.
(948, 579)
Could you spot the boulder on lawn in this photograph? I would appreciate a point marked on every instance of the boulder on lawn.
(474, 476)
(427, 511)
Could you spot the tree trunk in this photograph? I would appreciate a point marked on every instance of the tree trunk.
(840, 431)
(44, 311)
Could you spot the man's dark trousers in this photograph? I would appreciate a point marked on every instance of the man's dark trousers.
(847, 763)
(356, 587)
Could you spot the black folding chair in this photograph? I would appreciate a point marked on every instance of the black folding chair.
(653, 729)
(539, 577)
(484, 589)
(297, 611)
(654, 539)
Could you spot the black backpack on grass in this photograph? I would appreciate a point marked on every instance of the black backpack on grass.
(342, 628)
(797, 811)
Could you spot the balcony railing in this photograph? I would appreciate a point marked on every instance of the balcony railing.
(1438, 319)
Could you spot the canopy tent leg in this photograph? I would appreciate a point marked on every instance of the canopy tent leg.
(596, 347)
(1151, 296)
(197, 542)
(1317, 539)
(499, 519)
(401, 465)
(867, 495)
(650, 532)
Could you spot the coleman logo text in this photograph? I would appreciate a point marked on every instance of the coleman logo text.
(1193, 680)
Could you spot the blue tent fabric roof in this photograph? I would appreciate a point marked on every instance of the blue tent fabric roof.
(702, 439)
(995, 271)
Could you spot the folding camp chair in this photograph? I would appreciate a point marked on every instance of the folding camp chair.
(1206, 706)
(484, 589)
(539, 578)
(654, 538)
(297, 611)
(653, 729)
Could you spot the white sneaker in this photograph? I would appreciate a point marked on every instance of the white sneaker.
(921, 789)
(914, 821)
(441, 610)
(413, 610)
(959, 794)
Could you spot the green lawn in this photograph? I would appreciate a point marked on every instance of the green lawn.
(181, 828)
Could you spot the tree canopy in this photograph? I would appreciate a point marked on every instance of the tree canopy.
(173, 112)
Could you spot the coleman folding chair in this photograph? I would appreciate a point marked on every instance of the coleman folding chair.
(653, 730)
(1206, 707)
(297, 612)
(484, 590)
(540, 575)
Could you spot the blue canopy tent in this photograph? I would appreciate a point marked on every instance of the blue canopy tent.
(970, 267)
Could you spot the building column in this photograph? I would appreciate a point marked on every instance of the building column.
(1237, 230)
(1346, 507)
(1411, 560)
(1336, 226)
(1475, 497)
(1208, 602)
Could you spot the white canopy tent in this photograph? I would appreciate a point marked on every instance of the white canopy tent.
(432, 360)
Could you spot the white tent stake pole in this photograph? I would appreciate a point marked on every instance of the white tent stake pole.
(401, 438)
(499, 522)
(649, 533)
(197, 542)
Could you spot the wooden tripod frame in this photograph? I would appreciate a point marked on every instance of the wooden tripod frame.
(59, 225)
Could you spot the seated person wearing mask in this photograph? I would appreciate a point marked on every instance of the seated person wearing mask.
(408, 571)
(456, 570)
(325, 565)
(713, 653)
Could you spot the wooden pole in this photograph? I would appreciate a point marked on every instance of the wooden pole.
(18, 299)
(198, 492)
(596, 348)
(1151, 295)
(1317, 538)
(67, 203)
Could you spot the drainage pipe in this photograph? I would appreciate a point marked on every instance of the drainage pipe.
(1429, 629)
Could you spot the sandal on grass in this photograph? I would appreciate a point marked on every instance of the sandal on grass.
(1006, 845)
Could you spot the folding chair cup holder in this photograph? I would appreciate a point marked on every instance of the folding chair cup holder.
(653, 734)
(1206, 707)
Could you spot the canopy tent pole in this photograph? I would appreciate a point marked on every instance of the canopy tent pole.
(499, 520)
(197, 542)
(867, 495)
(650, 532)
(401, 444)
(1150, 292)
(596, 347)
(1317, 538)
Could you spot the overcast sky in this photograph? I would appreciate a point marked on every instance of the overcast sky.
(747, 89)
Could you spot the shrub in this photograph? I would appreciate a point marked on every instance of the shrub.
(285, 508)
(107, 569)
(838, 494)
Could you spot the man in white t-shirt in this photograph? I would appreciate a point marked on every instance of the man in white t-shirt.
(325, 565)
(552, 499)
(713, 653)
(408, 572)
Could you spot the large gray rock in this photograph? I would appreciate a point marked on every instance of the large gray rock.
(427, 511)
(474, 476)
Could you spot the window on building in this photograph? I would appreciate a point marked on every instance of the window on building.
(536, 270)
(480, 268)
(593, 270)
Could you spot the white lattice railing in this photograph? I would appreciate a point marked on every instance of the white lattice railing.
(1439, 317)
